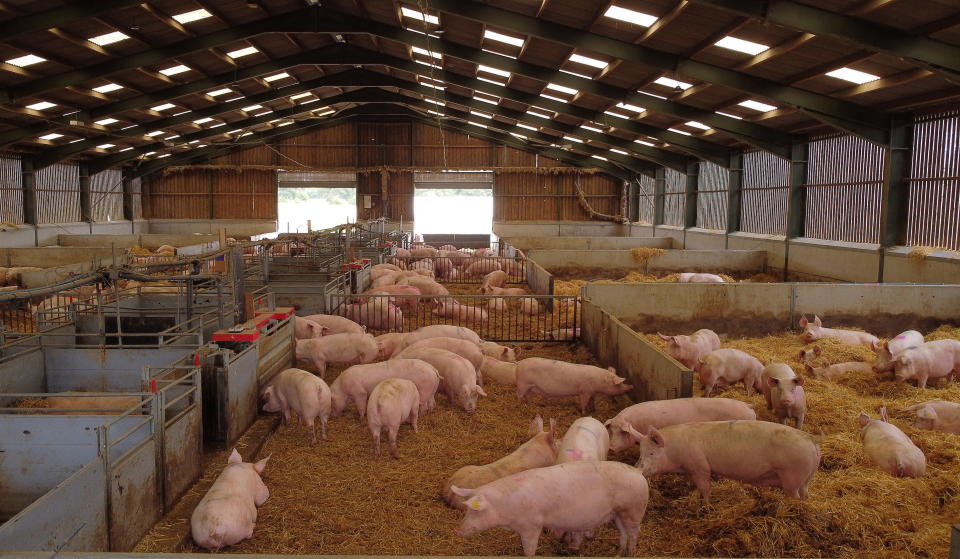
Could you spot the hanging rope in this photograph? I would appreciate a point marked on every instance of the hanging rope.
(590, 211)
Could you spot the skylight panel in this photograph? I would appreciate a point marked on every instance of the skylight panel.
(580, 59)
(436, 84)
(149, 153)
(678, 131)
(584, 76)
(163, 155)
(695, 124)
(308, 101)
(562, 89)
(481, 115)
(740, 45)
(476, 124)
(128, 148)
(552, 98)
(323, 111)
(426, 52)
(276, 77)
(25, 60)
(631, 108)
(263, 112)
(41, 106)
(217, 125)
(154, 133)
(490, 100)
(572, 139)
(203, 120)
(108, 38)
(106, 121)
(644, 143)
(434, 101)
(435, 113)
(756, 105)
(163, 107)
(191, 16)
(430, 64)
(616, 114)
(218, 92)
(600, 157)
(527, 126)
(106, 146)
(494, 36)
(499, 53)
(630, 16)
(51, 136)
(419, 16)
(174, 70)
(539, 115)
(662, 80)
(175, 136)
(287, 123)
(521, 136)
(107, 88)
(246, 51)
(620, 151)
(729, 115)
(300, 95)
(249, 108)
(488, 80)
(492, 70)
(851, 75)
(591, 128)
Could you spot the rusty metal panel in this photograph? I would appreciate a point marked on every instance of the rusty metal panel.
(58, 193)
(135, 503)
(766, 185)
(11, 191)
(933, 217)
(106, 195)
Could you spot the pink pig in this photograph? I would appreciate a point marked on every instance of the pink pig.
(586, 439)
(388, 343)
(304, 329)
(493, 290)
(722, 367)
(538, 452)
(816, 331)
(355, 383)
(333, 324)
(464, 348)
(458, 377)
(503, 353)
(574, 497)
(784, 392)
(837, 370)
(689, 349)
(462, 313)
(305, 394)
(887, 351)
(377, 314)
(690, 277)
(760, 453)
(439, 331)
(501, 372)
(496, 278)
(928, 361)
(559, 379)
(405, 303)
(628, 425)
(888, 448)
(392, 402)
(481, 267)
(227, 514)
(338, 348)
(937, 415)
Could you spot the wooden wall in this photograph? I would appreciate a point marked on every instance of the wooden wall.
(527, 186)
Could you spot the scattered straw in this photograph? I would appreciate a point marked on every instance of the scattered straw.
(32, 403)
(642, 254)
(919, 253)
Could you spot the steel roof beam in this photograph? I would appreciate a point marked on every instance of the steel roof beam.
(845, 115)
(55, 17)
(934, 55)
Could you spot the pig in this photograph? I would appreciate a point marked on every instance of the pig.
(300, 391)
(388, 343)
(463, 313)
(496, 278)
(355, 383)
(464, 348)
(492, 290)
(816, 331)
(442, 267)
(333, 324)
(529, 306)
(558, 379)
(561, 334)
(404, 303)
(392, 267)
(338, 348)
(573, 497)
(514, 269)
(497, 351)
(423, 272)
(448, 247)
(888, 448)
(760, 453)
(425, 264)
(586, 439)
(928, 361)
(887, 351)
(785, 393)
(378, 314)
(481, 267)
(483, 251)
(813, 356)
(394, 278)
(498, 304)
(402, 253)
(502, 372)
(392, 402)
(780, 370)
(439, 331)
(424, 252)
(458, 377)
(722, 367)
(690, 277)
(937, 415)
(537, 452)
(377, 273)
(627, 426)
(227, 514)
(837, 370)
(427, 287)
(688, 349)
(304, 329)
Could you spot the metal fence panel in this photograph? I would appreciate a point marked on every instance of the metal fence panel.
(933, 217)
(11, 191)
(766, 186)
(106, 195)
(58, 193)
(712, 196)
(675, 198)
(645, 191)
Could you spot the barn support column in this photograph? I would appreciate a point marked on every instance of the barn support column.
(690, 206)
(633, 200)
(29, 183)
(797, 203)
(734, 195)
(895, 192)
(86, 211)
(127, 186)
(659, 188)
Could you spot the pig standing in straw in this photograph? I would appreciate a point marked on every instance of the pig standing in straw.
(227, 514)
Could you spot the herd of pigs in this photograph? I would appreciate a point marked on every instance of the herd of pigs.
(566, 485)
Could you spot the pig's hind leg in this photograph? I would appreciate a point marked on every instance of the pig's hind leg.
(529, 538)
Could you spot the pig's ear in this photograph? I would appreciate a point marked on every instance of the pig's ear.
(662, 337)
(799, 356)
(234, 457)
(461, 491)
(259, 466)
(798, 380)
(875, 345)
(636, 435)
(618, 380)
(553, 428)
(323, 331)
(477, 502)
(536, 426)
(810, 370)
(607, 422)
(816, 321)
(772, 381)
(817, 350)
(883, 414)
(267, 392)
(504, 352)
(612, 370)
(655, 436)
(927, 412)
(516, 351)
(803, 321)
(864, 418)
(477, 389)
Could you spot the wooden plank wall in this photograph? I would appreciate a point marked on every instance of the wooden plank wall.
(373, 147)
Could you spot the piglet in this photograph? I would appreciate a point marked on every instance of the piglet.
(691, 277)
(350, 349)
(937, 415)
(559, 379)
(302, 392)
(227, 514)
(497, 351)
(888, 448)
(304, 329)
(501, 372)
(392, 402)
(356, 383)
(784, 393)
(837, 370)
(815, 331)
(887, 351)
(496, 278)
(481, 267)
(379, 314)
(493, 290)
(813, 357)
(438, 331)
(627, 426)
(458, 376)
(574, 497)
(928, 361)
(586, 440)
(537, 452)
(462, 313)
(722, 367)
(689, 349)
(333, 324)
(464, 348)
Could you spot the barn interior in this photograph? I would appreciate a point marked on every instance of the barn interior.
(186, 184)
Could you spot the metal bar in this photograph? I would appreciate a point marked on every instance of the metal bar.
(735, 192)
(895, 192)
(29, 183)
(86, 211)
(798, 196)
(659, 189)
(693, 181)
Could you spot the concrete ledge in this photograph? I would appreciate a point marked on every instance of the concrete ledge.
(736, 261)
(587, 243)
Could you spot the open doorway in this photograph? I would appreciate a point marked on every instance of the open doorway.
(323, 199)
(453, 203)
